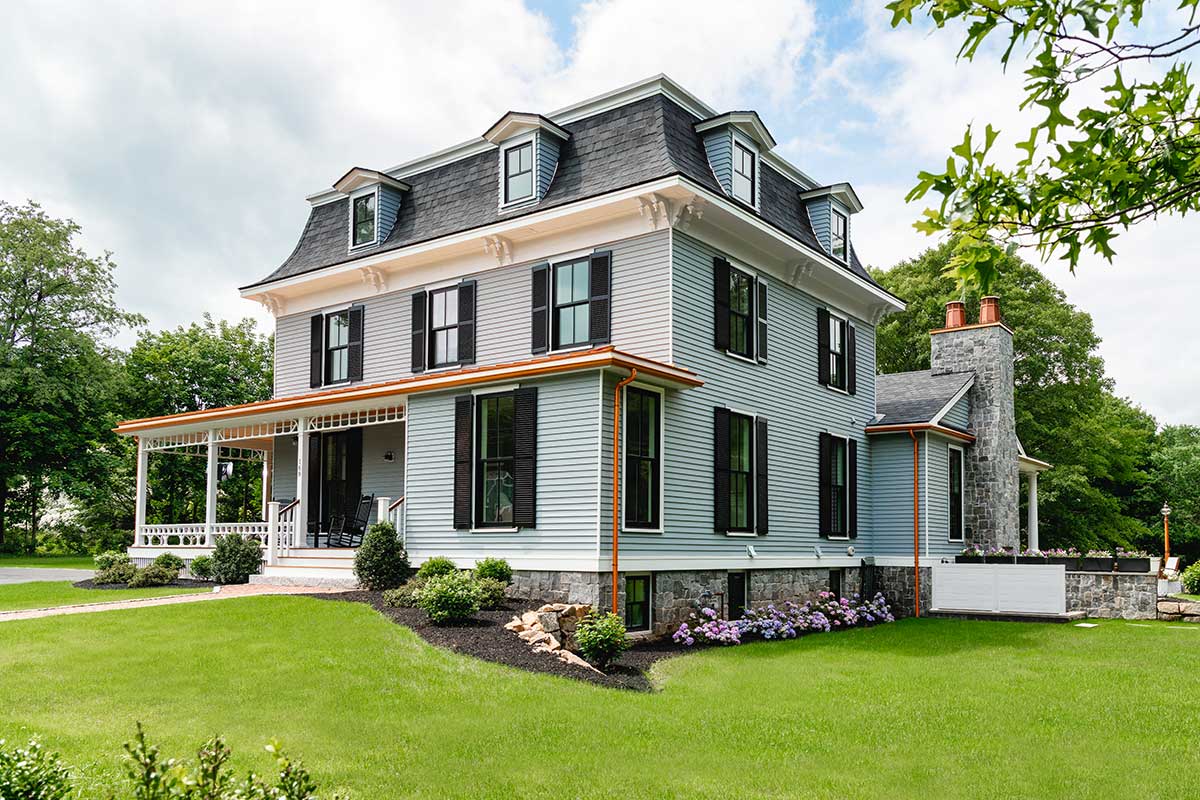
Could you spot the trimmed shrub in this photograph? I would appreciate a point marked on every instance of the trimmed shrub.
(404, 596)
(491, 592)
(30, 773)
(448, 598)
(201, 568)
(153, 575)
(120, 572)
(601, 638)
(438, 565)
(1191, 579)
(496, 568)
(170, 561)
(110, 558)
(381, 562)
(235, 559)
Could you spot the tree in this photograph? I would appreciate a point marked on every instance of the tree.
(58, 380)
(1066, 412)
(1088, 170)
(1175, 479)
(205, 365)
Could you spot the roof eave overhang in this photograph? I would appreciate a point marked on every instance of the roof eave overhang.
(875, 430)
(1028, 464)
(842, 192)
(515, 123)
(748, 122)
(358, 177)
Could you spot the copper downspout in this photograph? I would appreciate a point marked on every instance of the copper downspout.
(616, 478)
(916, 524)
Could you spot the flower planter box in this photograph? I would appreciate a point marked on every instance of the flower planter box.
(968, 560)
(1031, 560)
(1133, 565)
(1096, 564)
(999, 560)
(1069, 563)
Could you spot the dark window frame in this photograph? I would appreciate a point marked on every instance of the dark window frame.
(327, 350)
(740, 154)
(839, 331)
(954, 454)
(739, 321)
(556, 342)
(632, 462)
(647, 603)
(839, 487)
(836, 238)
(371, 199)
(480, 462)
(508, 176)
(748, 505)
(447, 328)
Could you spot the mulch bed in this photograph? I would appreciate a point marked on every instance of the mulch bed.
(181, 583)
(483, 636)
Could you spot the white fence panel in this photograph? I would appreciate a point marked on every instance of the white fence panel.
(1014, 588)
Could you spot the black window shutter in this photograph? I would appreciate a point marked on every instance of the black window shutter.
(760, 474)
(525, 457)
(419, 318)
(823, 346)
(466, 322)
(721, 469)
(851, 361)
(852, 490)
(316, 347)
(824, 498)
(313, 469)
(600, 298)
(464, 417)
(721, 303)
(540, 297)
(354, 352)
(762, 320)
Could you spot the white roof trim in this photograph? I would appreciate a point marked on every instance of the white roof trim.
(844, 192)
(360, 177)
(515, 123)
(748, 122)
(937, 418)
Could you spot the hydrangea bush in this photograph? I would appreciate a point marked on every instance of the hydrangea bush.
(827, 612)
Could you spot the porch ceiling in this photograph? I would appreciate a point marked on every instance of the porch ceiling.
(383, 402)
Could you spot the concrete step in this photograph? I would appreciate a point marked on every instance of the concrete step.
(316, 561)
(1005, 616)
(339, 553)
(306, 576)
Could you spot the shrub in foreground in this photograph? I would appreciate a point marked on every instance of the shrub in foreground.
(30, 773)
(404, 596)
(235, 559)
(438, 565)
(153, 575)
(201, 568)
(826, 613)
(119, 572)
(601, 638)
(1191, 579)
(109, 559)
(491, 592)
(448, 598)
(170, 561)
(380, 562)
(496, 568)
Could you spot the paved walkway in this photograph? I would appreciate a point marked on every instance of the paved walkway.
(31, 574)
(223, 593)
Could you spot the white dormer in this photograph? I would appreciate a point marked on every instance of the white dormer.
(529, 147)
(374, 205)
(829, 210)
(735, 143)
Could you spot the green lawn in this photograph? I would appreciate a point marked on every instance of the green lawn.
(58, 561)
(1195, 597)
(46, 594)
(921, 708)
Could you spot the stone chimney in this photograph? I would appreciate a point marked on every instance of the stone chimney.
(992, 479)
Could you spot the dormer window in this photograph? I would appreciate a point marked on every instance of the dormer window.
(743, 173)
(838, 244)
(518, 173)
(363, 221)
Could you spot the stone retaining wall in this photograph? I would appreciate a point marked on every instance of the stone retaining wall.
(1113, 595)
(1173, 610)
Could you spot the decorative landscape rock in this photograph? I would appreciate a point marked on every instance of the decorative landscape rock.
(1173, 610)
(539, 629)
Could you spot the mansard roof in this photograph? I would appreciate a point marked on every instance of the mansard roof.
(645, 140)
(913, 398)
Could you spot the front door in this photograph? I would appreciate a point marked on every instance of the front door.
(339, 477)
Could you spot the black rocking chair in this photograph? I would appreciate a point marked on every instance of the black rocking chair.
(346, 530)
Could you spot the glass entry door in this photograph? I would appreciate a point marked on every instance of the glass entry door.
(338, 473)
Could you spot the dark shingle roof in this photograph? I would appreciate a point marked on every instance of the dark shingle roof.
(912, 397)
(637, 143)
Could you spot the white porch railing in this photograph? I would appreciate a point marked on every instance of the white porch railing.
(394, 513)
(198, 534)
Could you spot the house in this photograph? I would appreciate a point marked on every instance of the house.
(461, 338)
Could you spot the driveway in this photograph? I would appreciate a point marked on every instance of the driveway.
(31, 574)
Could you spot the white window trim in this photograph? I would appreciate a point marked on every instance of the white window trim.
(839, 315)
(429, 292)
(552, 317)
(350, 234)
(649, 576)
(836, 212)
(754, 534)
(662, 454)
(518, 141)
(962, 492)
(845, 538)
(735, 140)
(755, 280)
(325, 312)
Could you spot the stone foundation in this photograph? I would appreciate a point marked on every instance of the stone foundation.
(1112, 595)
(557, 587)
(898, 585)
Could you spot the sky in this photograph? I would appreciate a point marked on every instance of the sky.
(184, 137)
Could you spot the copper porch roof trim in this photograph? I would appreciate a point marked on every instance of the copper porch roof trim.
(594, 358)
(921, 426)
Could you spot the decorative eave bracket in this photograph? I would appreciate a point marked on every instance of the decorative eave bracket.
(272, 303)
(500, 248)
(374, 277)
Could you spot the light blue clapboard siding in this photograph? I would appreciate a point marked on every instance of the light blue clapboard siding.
(718, 144)
(785, 390)
(819, 217)
(389, 207)
(640, 312)
(547, 149)
(892, 484)
(283, 470)
(959, 415)
(936, 515)
(568, 442)
(746, 142)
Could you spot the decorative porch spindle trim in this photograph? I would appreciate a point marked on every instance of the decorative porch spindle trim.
(357, 419)
(227, 453)
(258, 430)
(171, 441)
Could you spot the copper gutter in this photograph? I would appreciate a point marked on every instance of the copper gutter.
(916, 524)
(616, 481)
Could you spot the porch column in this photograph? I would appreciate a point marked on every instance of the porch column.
(1033, 511)
(139, 508)
(210, 497)
(268, 466)
(300, 535)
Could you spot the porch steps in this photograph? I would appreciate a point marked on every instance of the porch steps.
(1006, 616)
(311, 566)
